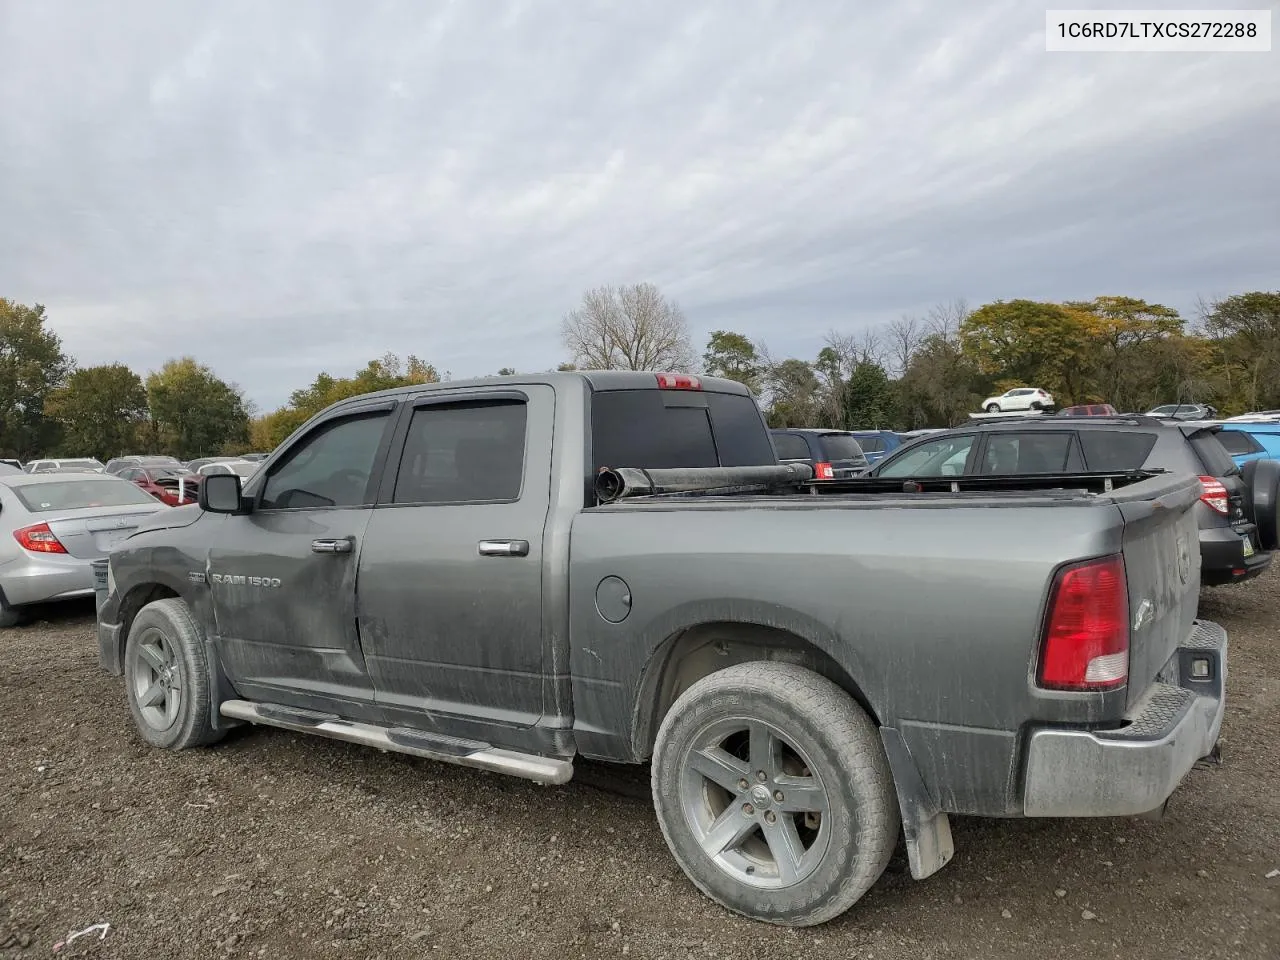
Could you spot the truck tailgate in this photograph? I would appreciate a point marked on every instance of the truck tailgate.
(1161, 547)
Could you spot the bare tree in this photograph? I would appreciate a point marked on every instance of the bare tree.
(905, 336)
(869, 347)
(944, 320)
(632, 327)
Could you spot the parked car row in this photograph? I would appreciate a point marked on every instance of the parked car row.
(62, 514)
(1237, 512)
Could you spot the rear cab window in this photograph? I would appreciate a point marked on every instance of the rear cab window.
(667, 429)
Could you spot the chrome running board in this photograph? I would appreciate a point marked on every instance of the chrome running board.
(415, 743)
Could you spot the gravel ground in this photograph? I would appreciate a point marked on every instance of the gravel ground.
(278, 845)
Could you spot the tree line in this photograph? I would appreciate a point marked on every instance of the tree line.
(906, 373)
(933, 370)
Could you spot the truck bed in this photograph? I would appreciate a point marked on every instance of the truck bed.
(933, 601)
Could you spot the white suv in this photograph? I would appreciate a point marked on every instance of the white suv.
(1019, 398)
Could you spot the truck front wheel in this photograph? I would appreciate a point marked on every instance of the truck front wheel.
(774, 794)
(167, 677)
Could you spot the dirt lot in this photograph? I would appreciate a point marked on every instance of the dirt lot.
(278, 845)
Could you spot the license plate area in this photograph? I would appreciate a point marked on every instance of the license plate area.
(104, 540)
(1248, 546)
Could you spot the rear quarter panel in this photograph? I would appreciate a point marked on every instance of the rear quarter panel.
(933, 611)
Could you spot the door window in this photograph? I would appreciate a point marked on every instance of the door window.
(790, 447)
(1238, 443)
(944, 457)
(1026, 453)
(463, 453)
(871, 444)
(329, 467)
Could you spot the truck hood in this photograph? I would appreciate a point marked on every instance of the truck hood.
(171, 518)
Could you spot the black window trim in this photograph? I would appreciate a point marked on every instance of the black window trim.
(261, 478)
(400, 435)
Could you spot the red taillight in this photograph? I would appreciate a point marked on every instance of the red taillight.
(1213, 494)
(823, 471)
(1086, 635)
(38, 538)
(678, 381)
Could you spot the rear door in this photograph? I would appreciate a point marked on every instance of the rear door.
(450, 607)
(282, 578)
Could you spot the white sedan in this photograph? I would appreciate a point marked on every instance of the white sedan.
(1019, 398)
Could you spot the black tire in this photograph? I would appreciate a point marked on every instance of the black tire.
(1037, 405)
(822, 731)
(1262, 480)
(165, 653)
(993, 408)
(9, 616)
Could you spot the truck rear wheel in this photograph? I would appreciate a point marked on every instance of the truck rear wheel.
(774, 794)
(167, 677)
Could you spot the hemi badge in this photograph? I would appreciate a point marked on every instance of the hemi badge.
(195, 576)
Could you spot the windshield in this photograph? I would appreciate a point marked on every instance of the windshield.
(77, 494)
(169, 473)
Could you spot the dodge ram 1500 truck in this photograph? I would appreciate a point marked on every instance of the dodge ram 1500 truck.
(513, 572)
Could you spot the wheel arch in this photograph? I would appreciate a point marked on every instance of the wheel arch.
(704, 648)
(132, 603)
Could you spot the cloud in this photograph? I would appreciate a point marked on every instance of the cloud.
(279, 190)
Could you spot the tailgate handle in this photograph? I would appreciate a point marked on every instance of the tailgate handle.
(338, 545)
(504, 548)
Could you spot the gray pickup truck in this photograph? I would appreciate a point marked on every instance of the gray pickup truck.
(476, 573)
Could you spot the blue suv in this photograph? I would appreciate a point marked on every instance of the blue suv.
(877, 444)
(1249, 440)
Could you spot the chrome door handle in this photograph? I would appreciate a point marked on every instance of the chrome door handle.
(504, 548)
(339, 545)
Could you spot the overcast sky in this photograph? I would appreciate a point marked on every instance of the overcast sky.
(280, 188)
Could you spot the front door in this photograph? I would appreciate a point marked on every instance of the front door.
(451, 574)
(283, 576)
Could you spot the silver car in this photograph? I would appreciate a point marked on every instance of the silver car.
(52, 526)
(84, 464)
(244, 468)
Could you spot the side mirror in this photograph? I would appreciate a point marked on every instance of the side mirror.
(220, 493)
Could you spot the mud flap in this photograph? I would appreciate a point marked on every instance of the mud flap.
(220, 689)
(926, 829)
